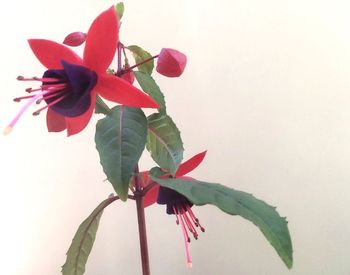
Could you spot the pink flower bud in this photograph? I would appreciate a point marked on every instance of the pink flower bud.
(129, 76)
(171, 62)
(75, 39)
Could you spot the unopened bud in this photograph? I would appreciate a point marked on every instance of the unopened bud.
(129, 75)
(171, 62)
(75, 39)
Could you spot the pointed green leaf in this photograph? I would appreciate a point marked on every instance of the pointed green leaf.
(101, 107)
(119, 8)
(234, 202)
(141, 55)
(164, 142)
(120, 140)
(83, 241)
(150, 87)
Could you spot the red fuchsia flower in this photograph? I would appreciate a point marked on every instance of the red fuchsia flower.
(171, 62)
(75, 39)
(70, 84)
(177, 204)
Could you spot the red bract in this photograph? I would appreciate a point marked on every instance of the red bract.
(75, 39)
(171, 62)
(70, 85)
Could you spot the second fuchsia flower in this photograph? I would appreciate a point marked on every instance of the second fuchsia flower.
(177, 204)
(70, 85)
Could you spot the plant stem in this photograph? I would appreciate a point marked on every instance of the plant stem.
(142, 225)
(119, 56)
(138, 64)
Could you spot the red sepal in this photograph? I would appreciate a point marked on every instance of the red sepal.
(151, 196)
(101, 41)
(118, 90)
(51, 53)
(77, 124)
(54, 121)
(190, 164)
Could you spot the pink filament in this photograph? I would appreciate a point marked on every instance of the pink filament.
(186, 239)
(24, 108)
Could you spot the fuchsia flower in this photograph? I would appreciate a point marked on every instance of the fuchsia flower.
(177, 204)
(171, 62)
(70, 84)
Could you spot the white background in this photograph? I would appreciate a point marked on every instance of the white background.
(266, 91)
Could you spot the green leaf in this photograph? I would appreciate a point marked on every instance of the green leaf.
(164, 142)
(120, 140)
(141, 55)
(150, 87)
(156, 172)
(83, 241)
(234, 202)
(101, 107)
(119, 8)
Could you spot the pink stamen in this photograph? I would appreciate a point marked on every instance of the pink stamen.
(18, 99)
(55, 86)
(37, 112)
(9, 127)
(186, 239)
(51, 88)
(177, 217)
(190, 226)
(194, 218)
(43, 79)
(30, 90)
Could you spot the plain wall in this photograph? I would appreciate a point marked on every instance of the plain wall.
(266, 92)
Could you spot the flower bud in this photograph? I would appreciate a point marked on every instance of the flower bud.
(75, 39)
(171, 62)
(128, 76)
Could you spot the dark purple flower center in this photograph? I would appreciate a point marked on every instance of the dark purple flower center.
(71, 89)
(171, 198)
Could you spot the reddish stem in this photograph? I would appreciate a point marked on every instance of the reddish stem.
(142, 224)
(138, 64)
(119, 56)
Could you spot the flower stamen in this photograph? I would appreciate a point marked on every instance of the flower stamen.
(41, 79)
(187, 240)
(37, 112)
(51, 89)
(176, 215)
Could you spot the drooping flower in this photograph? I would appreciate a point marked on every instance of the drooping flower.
(176, 203)
(70, 84)
(171, 63)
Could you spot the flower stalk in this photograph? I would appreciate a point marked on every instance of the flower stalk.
(142, 224)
